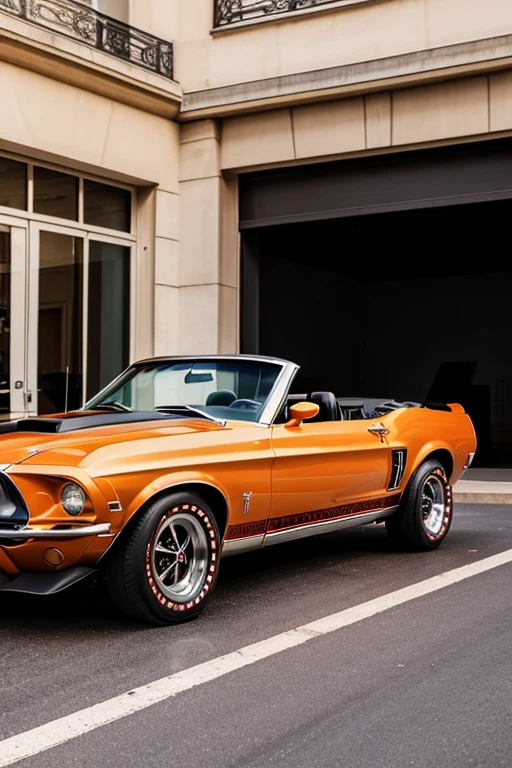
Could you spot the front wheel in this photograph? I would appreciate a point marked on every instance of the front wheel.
(425, 513)
(166, 567)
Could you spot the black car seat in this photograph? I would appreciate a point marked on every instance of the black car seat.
(329, 408)
(221, 397)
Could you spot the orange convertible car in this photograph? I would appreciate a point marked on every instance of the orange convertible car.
(181, 461)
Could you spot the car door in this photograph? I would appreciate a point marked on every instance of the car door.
(326, 472)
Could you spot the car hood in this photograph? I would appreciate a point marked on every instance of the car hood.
(67, 439)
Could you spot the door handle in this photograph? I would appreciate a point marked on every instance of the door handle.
(379, 430)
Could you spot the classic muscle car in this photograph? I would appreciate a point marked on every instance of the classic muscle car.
(181, 461)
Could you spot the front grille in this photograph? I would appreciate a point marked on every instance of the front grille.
(398, 461)
(14, 514)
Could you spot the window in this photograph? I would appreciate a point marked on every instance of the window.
(108, 313)
(60, 323)
(13, 184)
(233, 11)
(72, 238)
(107, 206)
(55, 193)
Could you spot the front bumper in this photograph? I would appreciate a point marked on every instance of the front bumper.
(78, 532)
(45, 583)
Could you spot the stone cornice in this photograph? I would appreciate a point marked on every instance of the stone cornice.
(406, 70)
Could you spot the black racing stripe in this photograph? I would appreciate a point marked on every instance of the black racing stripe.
(86, 420)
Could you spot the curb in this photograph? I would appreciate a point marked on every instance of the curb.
(469, 497)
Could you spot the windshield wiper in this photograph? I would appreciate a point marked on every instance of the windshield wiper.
(189, 409)
(113, 405)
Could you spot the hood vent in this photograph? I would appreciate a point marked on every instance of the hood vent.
(86, 420)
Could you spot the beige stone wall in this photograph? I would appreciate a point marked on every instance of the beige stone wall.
(204, 282)
(156, 16)
(59, 122)
(47, 120)
(187, 275)
(336, 36)
(459, 109)
(203, 287)
(160, 17)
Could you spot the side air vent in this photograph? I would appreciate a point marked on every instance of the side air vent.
(398, 461)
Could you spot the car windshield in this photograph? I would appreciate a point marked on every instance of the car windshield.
(215, 388)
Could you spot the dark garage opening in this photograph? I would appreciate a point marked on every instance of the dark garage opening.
(380, 305)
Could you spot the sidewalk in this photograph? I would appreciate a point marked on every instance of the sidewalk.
(484, 486)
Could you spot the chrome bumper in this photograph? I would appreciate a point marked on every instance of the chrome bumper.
(102, 529)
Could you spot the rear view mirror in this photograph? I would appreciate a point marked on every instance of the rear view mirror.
(197, 378)
(301, 411)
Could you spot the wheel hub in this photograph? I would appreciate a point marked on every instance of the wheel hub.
(179, 556)
(433, 505)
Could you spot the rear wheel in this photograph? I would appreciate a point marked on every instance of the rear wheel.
(424, 515)
(165, 569)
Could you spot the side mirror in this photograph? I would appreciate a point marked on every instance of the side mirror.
(301, 411)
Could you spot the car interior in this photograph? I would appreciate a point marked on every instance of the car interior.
(334, 408)
(223, 403)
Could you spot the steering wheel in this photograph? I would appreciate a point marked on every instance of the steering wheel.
(244, 404)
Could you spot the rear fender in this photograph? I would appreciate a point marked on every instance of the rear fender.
(425, 453)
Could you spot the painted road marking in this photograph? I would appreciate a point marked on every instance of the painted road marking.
(44, 737)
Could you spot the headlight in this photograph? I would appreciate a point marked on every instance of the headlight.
(73, 499)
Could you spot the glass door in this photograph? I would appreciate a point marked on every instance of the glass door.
(108, 314)
(14, 394)
(79, 315)
(56, 318)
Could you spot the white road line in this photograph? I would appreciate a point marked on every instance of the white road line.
(64, 729)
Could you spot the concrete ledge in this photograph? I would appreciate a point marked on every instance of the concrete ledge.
(484, 486)
(61, 58)
(482, 498)
(462, 59)
(481, 486)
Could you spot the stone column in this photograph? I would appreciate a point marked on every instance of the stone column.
(207, 276)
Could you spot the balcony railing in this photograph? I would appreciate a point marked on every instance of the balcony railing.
(97, 30)
(231, 11)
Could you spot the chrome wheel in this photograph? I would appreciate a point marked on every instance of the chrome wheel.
(179, 557)
(433, 505)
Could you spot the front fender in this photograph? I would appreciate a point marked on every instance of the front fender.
(172, 481)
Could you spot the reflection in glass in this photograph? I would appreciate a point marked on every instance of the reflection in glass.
(55, 193)
(5, 305)
(108, 334)
(13, 184)
(59, 360)
(107, 206)
(219, 388)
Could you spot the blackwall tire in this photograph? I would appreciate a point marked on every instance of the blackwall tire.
(425, 512)
(165, 569)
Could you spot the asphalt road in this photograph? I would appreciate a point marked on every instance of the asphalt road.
(426, 684)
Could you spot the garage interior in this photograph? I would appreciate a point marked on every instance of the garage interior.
(410, 304)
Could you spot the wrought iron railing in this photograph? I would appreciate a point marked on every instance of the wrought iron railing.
(231, 11)
(97, 30)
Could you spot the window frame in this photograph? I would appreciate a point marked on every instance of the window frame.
(31, 222)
